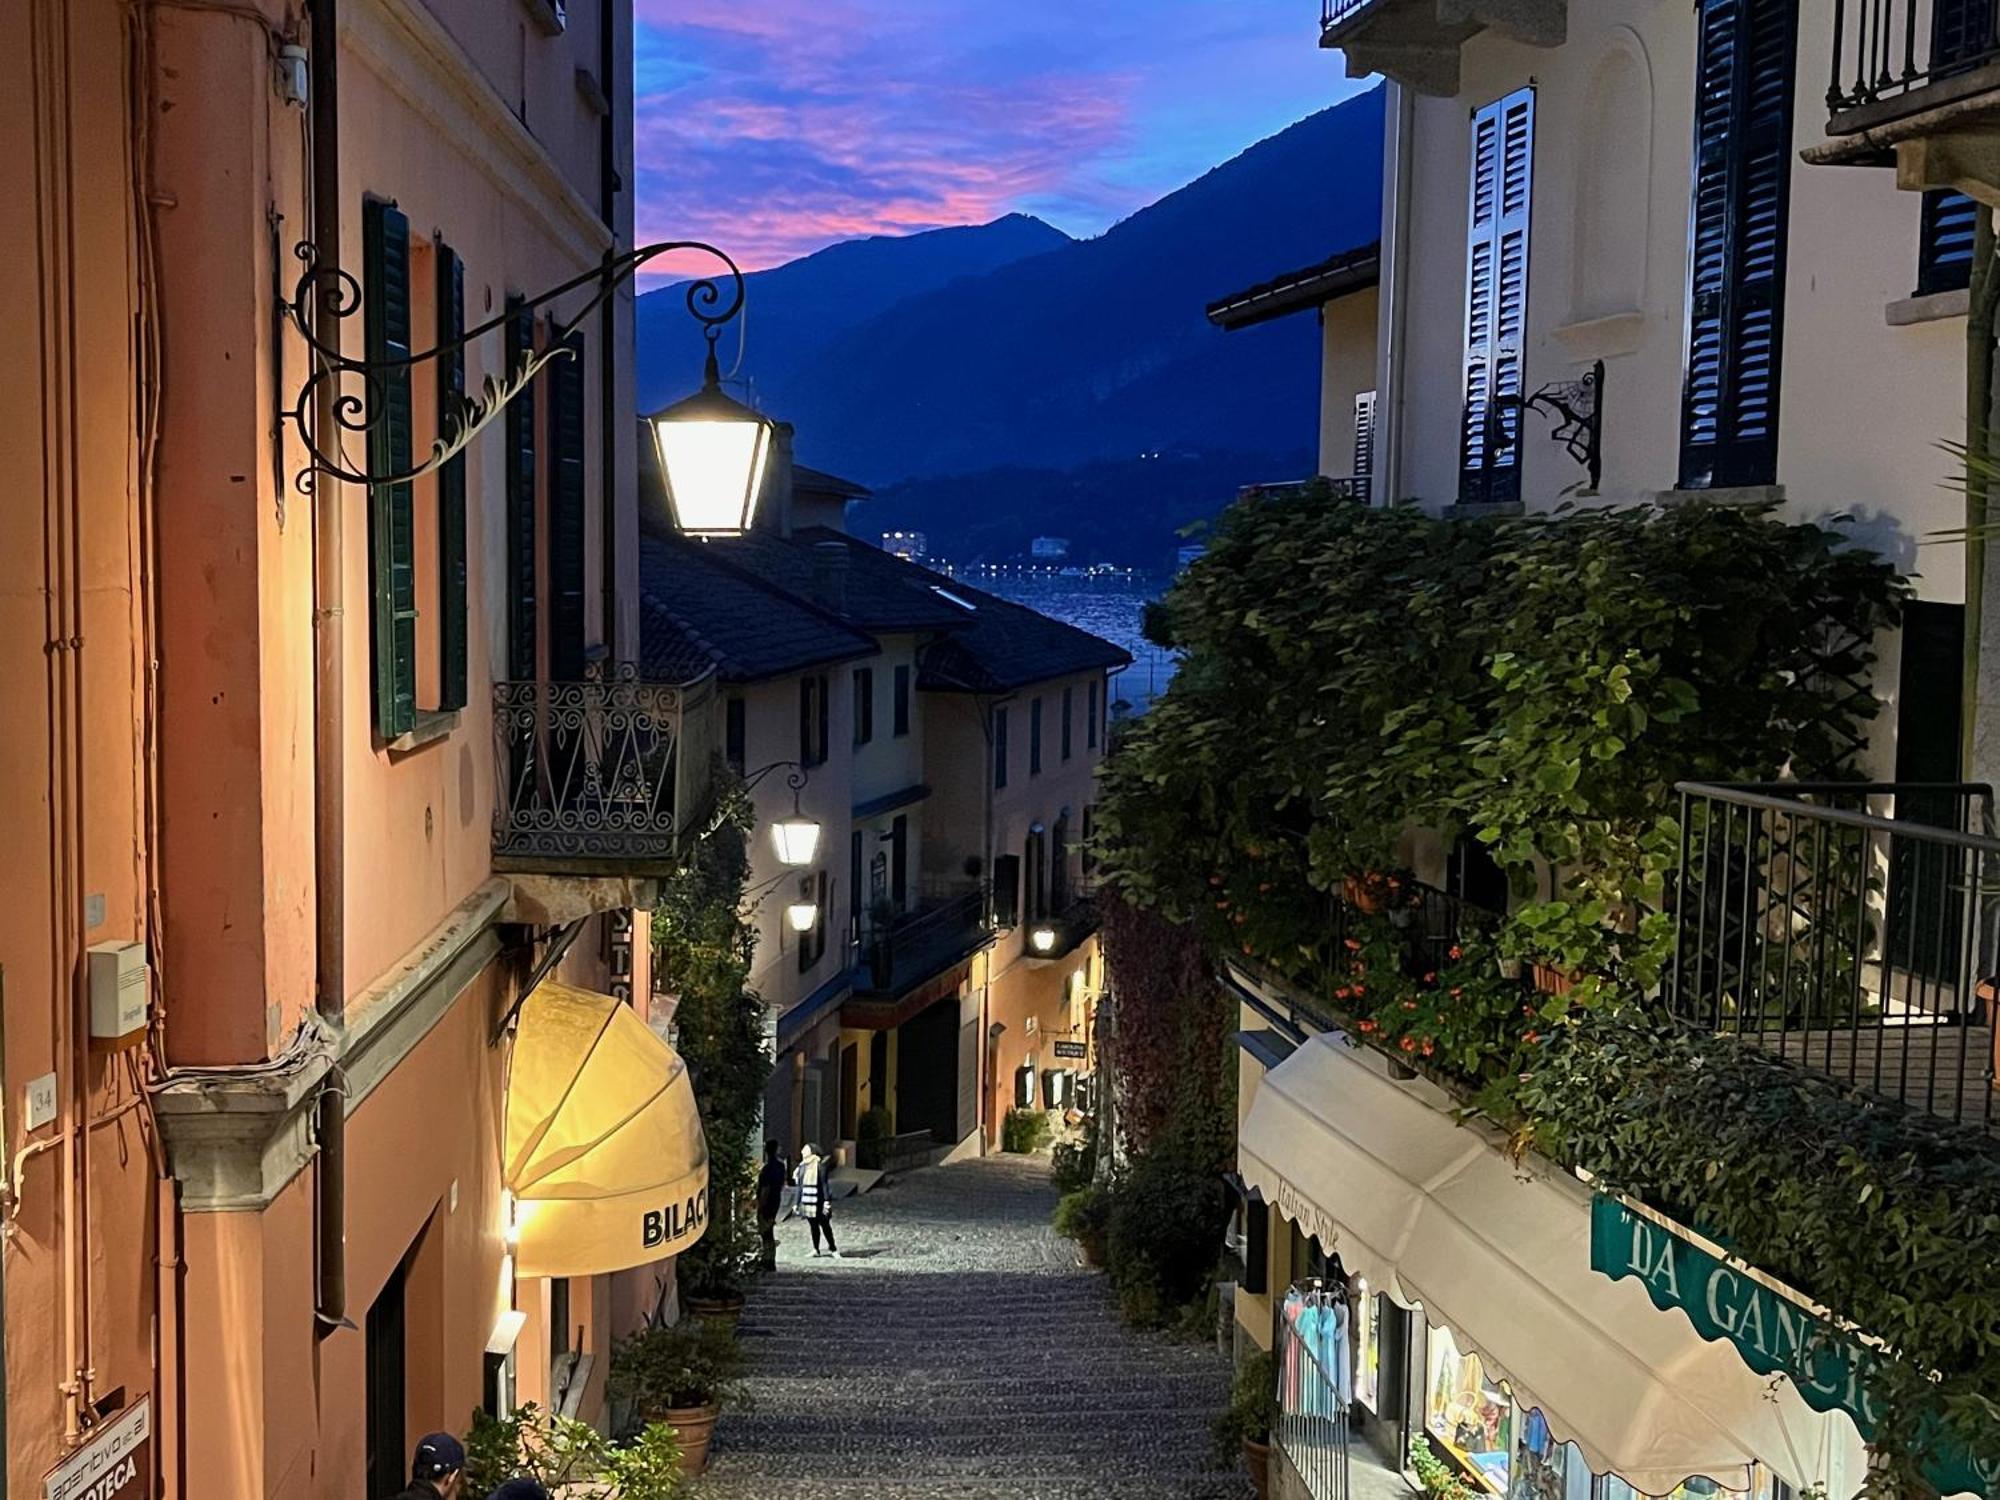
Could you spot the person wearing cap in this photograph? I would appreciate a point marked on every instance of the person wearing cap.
(437, 1472)
(521, 1489)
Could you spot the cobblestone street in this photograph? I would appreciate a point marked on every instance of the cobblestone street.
(955, 1351)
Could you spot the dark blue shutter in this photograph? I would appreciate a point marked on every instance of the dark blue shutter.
(1944, 242)
(451, 486)
(392, 565)
(566, 511)
(521, 612)
(1500, 195)
(1736, 282)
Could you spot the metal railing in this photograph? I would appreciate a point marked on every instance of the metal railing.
(1883, 49)
(913, 946)
(601, 776)
(1313, 1419)
(1846, 927)
(1333, 12)
(1429, 920)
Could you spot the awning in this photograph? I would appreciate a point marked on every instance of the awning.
(1436, 1214)
(604, 1152)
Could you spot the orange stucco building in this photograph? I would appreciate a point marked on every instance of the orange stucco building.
(251, 723)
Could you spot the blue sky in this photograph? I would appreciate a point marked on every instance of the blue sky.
(773, 127)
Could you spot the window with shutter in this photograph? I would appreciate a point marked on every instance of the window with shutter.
(1944, 242)
(999, 749)
(451, 487)
(1364, 443)
(1496, 297)
(392, 614)
(567, 644)
(521, 612)
(1736, 269)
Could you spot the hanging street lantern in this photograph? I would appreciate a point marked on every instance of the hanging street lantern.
(797, 840)
(713, 454)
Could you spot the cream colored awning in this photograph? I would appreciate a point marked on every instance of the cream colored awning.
(605, 1154)
(1437, 1215)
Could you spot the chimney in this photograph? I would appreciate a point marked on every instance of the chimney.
(829, 576)
(775, 513)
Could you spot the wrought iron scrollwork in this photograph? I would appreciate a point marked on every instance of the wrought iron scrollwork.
(1576, 407)
(324, 296)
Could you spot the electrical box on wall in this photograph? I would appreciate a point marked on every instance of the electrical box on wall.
(117, 991)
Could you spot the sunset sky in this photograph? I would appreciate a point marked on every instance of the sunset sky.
(773, 127)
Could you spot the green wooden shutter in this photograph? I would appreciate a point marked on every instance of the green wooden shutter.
(1500, 195)
(392, 613)
(566, 508)
(1736, 273)
(452, 622)
(521, 611)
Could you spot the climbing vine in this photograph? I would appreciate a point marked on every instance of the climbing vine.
(702, 948)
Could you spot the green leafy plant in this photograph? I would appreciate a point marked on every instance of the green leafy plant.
(1252, 1411)
(1073, 1163)
(1164, 1238)
(1085, 1216)
(1024, 1131)
(871, 1137)
(1435, 1477)
(702, 950)
(690, 1363)
(556, 1451)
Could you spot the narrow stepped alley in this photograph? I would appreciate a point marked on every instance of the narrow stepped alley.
(955, 1351)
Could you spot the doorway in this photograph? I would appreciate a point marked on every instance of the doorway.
(388, 1438)
(850, 1090)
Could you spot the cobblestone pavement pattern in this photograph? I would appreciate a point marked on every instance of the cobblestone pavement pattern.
(956, 1351)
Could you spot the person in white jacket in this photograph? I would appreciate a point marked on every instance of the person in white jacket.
(814, 1204)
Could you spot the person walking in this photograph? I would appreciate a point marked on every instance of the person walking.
(437, 1472)
(813, 1204)
(770, 1197)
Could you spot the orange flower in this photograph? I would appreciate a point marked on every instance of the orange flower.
(1457, 992)
(1409, 1044)
(1248, 949)
(1361, 989)
(1222, 906)
(1454, 952)
(1353, 945)
(1342, 993)
(1409, 1005)
(1367, 1027)
(1431, 978)
(1531, 1037)
(1429, 1047)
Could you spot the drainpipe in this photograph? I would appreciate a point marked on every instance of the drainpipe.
(1979, 330)
(607, 338)
(1392, 311)
(329, 721)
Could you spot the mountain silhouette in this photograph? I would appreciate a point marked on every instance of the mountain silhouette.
(794, 310)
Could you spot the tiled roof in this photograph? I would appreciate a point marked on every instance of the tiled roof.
(695, 608)
(876, 598)
(1296, 291)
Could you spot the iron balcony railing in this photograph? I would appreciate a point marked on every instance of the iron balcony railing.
(602, 777)
(903, 951)
(1849, 928)
(1429, 920)
(1886, 49)
(1333, 13)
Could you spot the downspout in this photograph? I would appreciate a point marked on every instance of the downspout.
(607, 339)
(329, 720)
(1979, 329)
(1392, 313)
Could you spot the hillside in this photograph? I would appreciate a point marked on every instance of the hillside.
(1093, 349)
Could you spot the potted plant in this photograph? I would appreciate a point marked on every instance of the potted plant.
(1245, 1424)
(1085, 1216)
(560, 1452)
(716, 1270)
(871, 1138)
(680, 1374)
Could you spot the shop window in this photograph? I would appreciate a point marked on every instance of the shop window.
(1367, 1347)
(1467, 1414)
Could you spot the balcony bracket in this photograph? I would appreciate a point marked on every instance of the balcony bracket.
(1966, 160)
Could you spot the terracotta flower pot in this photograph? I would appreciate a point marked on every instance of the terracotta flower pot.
(725, 1310)
(1092, 1250)
(694, 1426)
(1257, 1459)
(1361, 894)
(1549, 980)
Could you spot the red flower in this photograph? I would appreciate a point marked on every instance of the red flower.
(1454, 952)
(1409, 1005)
(1361, 989)
(1222, 906)
(1409, 1044)
(1531, 1037)
(1430, 978)
(1429, 1047)
(1248, 949)
(1353, 945)
(1342, 993)
(1457, 992)
(1366, 1027)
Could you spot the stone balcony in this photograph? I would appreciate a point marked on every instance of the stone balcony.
(1417, 42)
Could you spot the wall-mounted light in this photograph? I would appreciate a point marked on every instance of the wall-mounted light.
(803, 915)
(1043, 939)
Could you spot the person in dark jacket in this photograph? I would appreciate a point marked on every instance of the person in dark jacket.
(770, 1198)
(437, 1472)
(521, 1489)
(814, 1203)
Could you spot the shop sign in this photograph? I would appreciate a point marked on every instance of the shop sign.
(1072, 1049)
(116, 1464)
(1773, 1334)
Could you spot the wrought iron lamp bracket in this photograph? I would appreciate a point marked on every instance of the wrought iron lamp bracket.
(1576, 408)
(323, 296)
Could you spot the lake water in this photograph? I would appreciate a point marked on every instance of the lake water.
(1110, 606)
